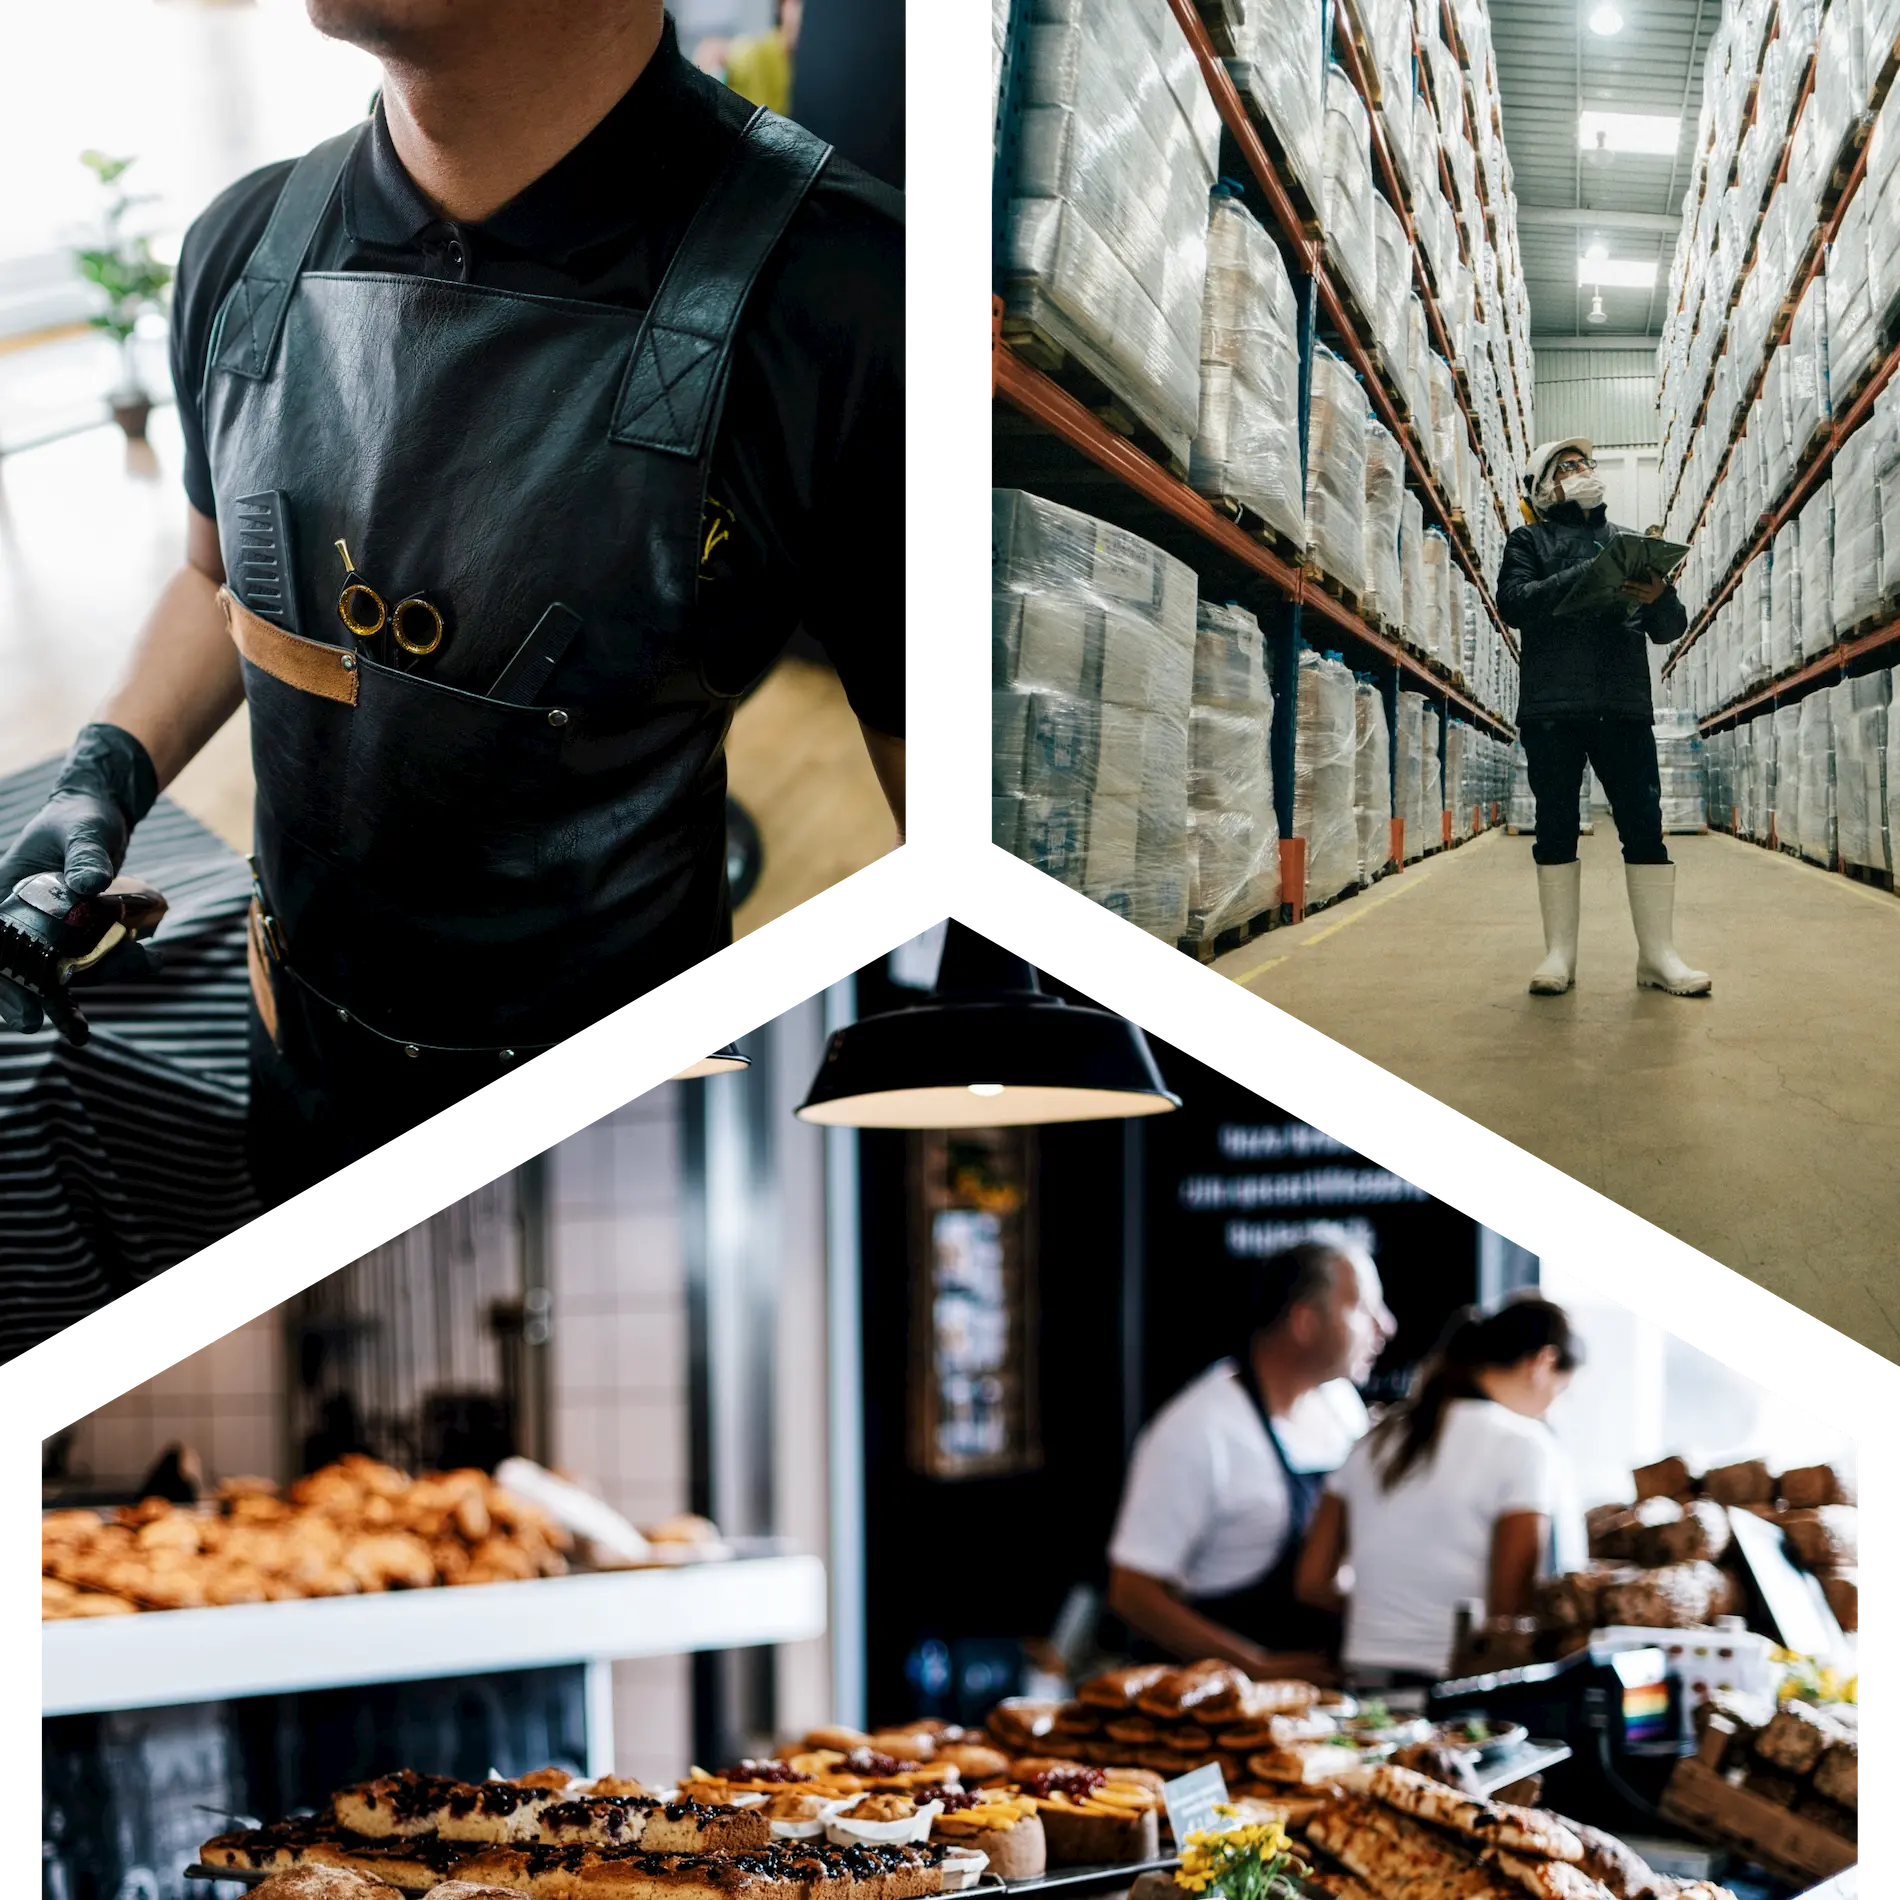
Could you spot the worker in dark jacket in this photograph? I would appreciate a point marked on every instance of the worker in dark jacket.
(1583, 698)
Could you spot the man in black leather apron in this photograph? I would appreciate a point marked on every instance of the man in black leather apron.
(1226, 1477)
(567, 335)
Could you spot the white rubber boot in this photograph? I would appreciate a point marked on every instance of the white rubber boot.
(1652, 889)
(1559, 891)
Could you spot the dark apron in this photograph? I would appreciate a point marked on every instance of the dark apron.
(1267, 1611)
(453, 881)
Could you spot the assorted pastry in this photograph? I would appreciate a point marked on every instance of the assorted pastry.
(1801, 1756)
(352, 1527)
(1401, 1833)
(547, 1835)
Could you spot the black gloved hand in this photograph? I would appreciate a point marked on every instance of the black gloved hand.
(106, 786)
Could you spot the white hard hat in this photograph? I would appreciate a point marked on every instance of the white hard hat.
(1547, 452)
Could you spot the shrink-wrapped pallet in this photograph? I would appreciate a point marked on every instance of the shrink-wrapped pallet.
(1893, 768)
(1814, 794)
(1752, 596)
(1807, 374)
(1384, 597)
(1418, 378)
(1881, 186)
(1431, 779)
(1817, 572)
(1092, 669)
(1679, 766)
(1777, 451)
(1850, 315)
(1856, 561)
(1787, 786)
(1884, 424)
(1760, 812)
(1461, 777)
(1840, 80)
(1280, 70)
(1393, 284)
(1447, 428)
(1346, 214)
(1408, 772)
(1325, 742)
(1415, 613)
(1371, 780)
(1336, 472)
(1438, 567)
(1233, 832)
(999, 41)
(1105, 242)
(1784, 598)
(1247, 447)
(1860, 767)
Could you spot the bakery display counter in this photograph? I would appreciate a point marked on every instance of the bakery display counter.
(95, 1664)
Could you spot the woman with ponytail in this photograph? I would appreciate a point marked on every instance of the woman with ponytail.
(1454, 1495)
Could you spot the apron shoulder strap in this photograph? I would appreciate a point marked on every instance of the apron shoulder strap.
(244, 338)
(675, 385)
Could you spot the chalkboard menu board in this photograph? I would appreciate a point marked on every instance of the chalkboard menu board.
(1230, 1179)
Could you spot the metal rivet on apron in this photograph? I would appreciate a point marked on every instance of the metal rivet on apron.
(349, 662)
(507, 1055)
(410, 1049)
(343, 1015)
(556, 717)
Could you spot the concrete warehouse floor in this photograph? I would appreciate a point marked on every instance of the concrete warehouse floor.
(90, 528)
(1761, 1125)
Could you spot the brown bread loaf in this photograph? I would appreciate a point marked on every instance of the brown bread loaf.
(1837, 1773)
(1678, 1596)
(1749, 1482)
(1796, 1739)
(1827, 1538)
(1700, 1533)
(1842, 1590)
(1609, 1527)
(1807, 1487)
(1666, 1478)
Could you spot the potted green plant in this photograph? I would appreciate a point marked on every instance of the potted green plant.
(123, 267)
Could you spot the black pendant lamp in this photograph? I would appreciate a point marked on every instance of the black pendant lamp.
(720, 1062)
(986, 1049)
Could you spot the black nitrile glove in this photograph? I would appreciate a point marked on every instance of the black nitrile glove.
(106, 786)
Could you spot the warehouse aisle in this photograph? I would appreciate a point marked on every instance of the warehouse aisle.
(1762, 1126)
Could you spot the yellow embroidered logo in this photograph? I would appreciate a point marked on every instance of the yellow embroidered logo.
(717, 523)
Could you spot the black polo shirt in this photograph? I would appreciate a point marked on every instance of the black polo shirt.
(807, 472)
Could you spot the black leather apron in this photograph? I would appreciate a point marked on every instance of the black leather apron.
(456, 881)
(1267, 1611)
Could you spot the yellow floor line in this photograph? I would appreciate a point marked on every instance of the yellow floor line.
(1351, 914)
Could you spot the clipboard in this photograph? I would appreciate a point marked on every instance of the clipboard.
(1622, 558)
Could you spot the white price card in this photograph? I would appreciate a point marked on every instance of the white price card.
(1192, 1800)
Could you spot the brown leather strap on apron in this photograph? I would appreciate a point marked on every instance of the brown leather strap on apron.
(258, 959)
(309, 665)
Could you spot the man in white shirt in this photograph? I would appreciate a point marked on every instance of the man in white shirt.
(1225, 1478)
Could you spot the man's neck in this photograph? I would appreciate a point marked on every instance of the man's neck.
(1283, 1381)
(474, 127)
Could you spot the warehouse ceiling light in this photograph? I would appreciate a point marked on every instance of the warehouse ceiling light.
(1596, 310)
(1654, 134)
(1606, 20)
(986, 1049)
(1615, 273)
(720, 1062)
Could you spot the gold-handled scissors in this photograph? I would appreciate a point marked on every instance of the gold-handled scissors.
(415, 623)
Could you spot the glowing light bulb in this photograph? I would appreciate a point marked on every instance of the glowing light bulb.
(986, 1088)
(1606, 20)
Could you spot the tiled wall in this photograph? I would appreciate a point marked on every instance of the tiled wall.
(225, 1402)
(617, 1270)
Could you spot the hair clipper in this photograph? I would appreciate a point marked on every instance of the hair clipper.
(48, 936)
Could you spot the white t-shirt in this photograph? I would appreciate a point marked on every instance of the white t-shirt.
(1418, 1550)
(1205, 1507)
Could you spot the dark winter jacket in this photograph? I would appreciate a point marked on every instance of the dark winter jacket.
(1577, 665)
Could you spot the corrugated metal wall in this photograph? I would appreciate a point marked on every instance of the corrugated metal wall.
(1607, 395)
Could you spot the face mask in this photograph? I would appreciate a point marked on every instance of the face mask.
(1586, 490)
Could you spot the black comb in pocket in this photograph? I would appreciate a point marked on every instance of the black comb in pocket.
(265, 580)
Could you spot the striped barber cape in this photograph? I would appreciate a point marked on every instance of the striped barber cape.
(120, 1159)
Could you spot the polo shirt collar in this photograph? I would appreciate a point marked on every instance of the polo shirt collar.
(591, 194)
